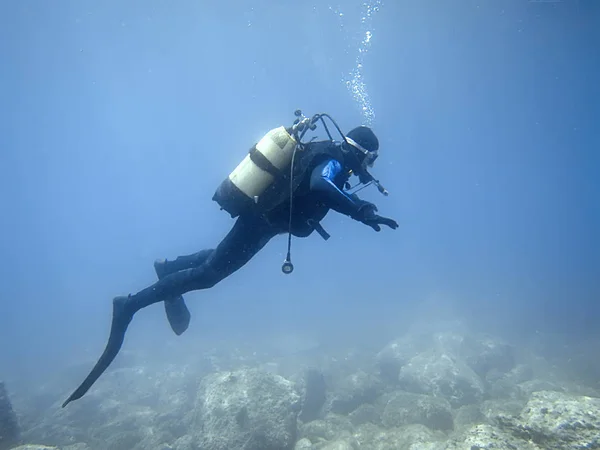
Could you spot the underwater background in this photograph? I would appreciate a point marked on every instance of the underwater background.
(119, 120)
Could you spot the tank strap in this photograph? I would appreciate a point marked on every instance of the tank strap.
(259, 159)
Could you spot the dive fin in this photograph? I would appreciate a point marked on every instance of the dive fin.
(178, 314)
(120, 322)
(177, 311)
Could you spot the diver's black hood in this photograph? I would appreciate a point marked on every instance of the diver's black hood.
(364, 137)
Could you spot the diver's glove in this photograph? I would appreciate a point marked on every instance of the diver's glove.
(366, 214)
(376, 220)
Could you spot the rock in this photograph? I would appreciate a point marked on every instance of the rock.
(131, 407)
(34, 447)
(172, 423)
(353, 391)
(10, 435)
(484, 354)
(317, 430)
(396, 354)
(484, 437)
(184, 443)
(247, 408)
(506, 385)
(79, 446)
(338, 445)
(365, 414)
(481, 354)
(410, 437)
(450, 342)
(303, 444)
(405, 408)
(124, 439)
(492, 409)
(441, 375)
(66, 426)
(314, 395)
(155, 440)
(329, 429)
(527, 388)
(467, 416)
(132, 427)
(557, 421)
(520, 373)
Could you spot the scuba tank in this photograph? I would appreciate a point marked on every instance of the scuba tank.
(269, 159)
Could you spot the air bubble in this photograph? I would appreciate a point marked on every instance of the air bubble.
(356, 85)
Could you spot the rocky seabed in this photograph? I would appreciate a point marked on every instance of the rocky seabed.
(444, 391)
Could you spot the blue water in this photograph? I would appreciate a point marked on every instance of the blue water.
(119, 120)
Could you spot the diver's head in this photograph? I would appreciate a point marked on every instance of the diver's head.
(362, 142)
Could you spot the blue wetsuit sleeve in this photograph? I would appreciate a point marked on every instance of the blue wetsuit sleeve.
(322, 181)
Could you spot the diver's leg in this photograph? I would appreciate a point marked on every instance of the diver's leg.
(165, 267)
(177, 312)
(246, 238)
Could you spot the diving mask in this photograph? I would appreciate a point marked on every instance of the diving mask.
(369, 157)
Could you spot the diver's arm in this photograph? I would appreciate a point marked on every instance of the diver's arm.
(321, 181)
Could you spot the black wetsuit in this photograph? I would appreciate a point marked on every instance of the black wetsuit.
(322, 191)
(319, 191)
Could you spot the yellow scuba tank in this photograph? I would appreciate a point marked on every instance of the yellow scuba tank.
(269, 159)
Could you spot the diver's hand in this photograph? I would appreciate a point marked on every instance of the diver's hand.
(365, 210)
(376, 220)
(366, 214)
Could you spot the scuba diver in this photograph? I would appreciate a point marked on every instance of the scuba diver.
(283, 186)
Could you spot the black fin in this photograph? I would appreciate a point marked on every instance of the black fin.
(120, 322)
(178, 314)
